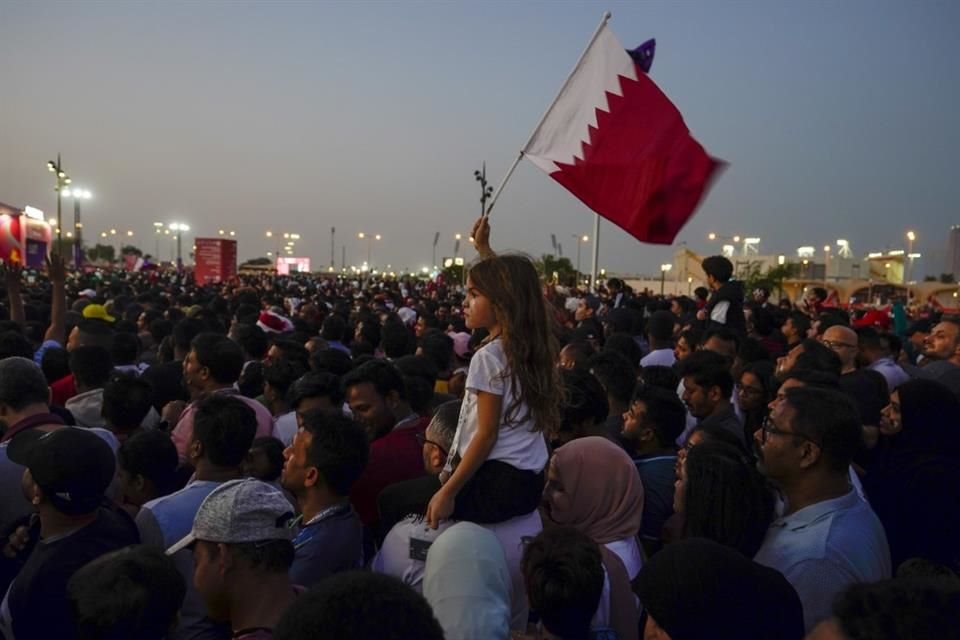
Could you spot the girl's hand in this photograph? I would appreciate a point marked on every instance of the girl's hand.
(440, 508)
(481, 236)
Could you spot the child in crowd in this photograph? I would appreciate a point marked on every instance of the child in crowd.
(495, 470)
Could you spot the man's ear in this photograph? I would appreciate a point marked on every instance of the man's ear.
(36, 495)
(312, 478)
(392, 399)
(810, 455)
(715, 394)
(195, 450)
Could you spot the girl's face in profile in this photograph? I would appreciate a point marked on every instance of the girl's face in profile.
(477, 309)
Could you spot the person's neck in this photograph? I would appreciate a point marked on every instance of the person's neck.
(207, 472)
(724, 406)
(646, 448)
(656, 345)
(313, 501)
(54, 523)
(848, 368)
(813, 490)
(494, 331)
(27, 412)
(403, 412)
(259, 601)
(198, 393)
(279, 408)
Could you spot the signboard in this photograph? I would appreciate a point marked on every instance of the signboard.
(215, 260)
(286, 266)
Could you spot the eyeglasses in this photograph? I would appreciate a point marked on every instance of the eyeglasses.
(833, 344)
(769, 428)
(422, 439)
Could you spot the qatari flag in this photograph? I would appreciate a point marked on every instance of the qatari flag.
(617, 143)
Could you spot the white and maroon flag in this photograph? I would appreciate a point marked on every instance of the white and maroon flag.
(617, 143)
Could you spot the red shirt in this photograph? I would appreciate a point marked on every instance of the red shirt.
(393, 458)
(62, 390)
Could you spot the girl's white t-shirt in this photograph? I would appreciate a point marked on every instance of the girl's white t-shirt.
(517, 444)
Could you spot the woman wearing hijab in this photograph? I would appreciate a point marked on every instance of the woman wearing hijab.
(593, 486)
(467, 583)
(914, 486)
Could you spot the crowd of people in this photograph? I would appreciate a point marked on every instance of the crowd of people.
(294, 457)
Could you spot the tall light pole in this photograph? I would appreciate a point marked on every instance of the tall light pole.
(62, 181)
(436, 239)
(333, 235)
(911, 236)
(158, 229)
(77, 195)
(826, 262)
(369, 238)
(580, 240)
(664, 268)
(179, 228)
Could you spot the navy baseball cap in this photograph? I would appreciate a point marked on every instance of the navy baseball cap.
(72, 465)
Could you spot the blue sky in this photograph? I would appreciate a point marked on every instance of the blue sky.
(837, 119)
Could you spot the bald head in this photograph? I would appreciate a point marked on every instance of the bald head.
(844, 342)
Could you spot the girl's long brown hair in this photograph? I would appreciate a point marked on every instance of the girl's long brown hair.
(513, 287)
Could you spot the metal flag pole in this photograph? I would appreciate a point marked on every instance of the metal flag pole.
(596, 251)
(536, 130)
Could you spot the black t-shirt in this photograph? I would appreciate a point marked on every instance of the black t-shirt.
(37, 600)
(167, 382)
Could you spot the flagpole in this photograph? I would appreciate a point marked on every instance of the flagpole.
(516, 161)
(596, 251)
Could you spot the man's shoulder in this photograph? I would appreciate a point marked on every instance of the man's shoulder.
(834, 531)
(194, 492)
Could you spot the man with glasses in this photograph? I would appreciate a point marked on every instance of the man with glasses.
(412, 496)
(826, 537)
(867, 387)
(843, 341)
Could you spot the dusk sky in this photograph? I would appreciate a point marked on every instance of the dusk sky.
(838, 118)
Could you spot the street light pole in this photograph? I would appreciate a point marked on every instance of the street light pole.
(911, 236)
(77, 195)
(179, 228)
(62, 181)
(579, 239)
(158, 228)
(663, 276)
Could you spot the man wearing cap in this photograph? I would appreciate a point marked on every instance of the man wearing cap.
(87, 333)
(242, 547)
(223, 430)
(23, 406)
(212, 366)
(67, 472)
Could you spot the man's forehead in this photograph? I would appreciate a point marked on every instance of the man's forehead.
(947, 328)
(363, 391)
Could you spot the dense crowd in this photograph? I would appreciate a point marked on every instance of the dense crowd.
(294, 457)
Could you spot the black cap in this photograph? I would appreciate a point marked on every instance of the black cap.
(72, 465)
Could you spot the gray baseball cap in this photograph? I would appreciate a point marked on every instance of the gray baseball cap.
(240, 511)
